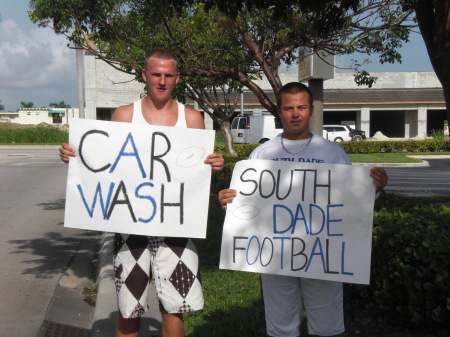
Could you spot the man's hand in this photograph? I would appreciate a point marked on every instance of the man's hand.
(380, 178)
(65, 152)
(226, 196)
(216, 161)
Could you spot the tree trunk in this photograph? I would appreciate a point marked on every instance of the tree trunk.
(225, 128)
(434, 24)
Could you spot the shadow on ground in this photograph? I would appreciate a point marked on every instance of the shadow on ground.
(104, 327)
(52, 253)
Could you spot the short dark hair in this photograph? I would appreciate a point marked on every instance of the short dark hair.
(162, 54)
(294, 88)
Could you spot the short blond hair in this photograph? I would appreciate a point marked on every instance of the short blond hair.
(160, 54)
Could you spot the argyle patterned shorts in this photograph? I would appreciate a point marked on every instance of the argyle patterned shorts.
(172, 263)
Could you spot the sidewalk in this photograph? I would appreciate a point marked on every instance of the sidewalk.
(68, 315)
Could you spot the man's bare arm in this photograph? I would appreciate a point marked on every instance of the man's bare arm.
(194, 119)
(123, 113)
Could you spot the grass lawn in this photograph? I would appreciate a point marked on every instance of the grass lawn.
(233, 304)
(390, 157)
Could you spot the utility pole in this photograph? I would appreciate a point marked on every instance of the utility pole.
(80, 80)
(316, 69)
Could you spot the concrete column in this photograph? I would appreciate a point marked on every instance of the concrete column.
(408, 134)
(365, 121)
(90, 87)
(80, 80)
(316, 122)
(422, 122)
(209, 124)
(411, 119)
(358, 120)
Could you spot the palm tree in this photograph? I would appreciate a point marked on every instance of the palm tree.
(26, 104)
(61, 104)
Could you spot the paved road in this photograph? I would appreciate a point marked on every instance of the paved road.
(433, 180)
(35, 248)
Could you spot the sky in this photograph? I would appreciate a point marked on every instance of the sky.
(37, 66)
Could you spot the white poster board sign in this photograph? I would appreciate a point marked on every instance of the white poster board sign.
(138, 179)
(300, 219)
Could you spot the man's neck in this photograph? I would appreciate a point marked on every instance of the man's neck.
(167, 106)
(304, 135)
(165, 114)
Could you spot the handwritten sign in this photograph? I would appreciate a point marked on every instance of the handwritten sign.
(138, 179)
(300, 219)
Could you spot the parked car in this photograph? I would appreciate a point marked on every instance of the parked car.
(342, 133)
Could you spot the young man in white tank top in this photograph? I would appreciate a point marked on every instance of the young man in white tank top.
(161, 74)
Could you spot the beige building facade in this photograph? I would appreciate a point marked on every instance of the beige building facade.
(34, 116)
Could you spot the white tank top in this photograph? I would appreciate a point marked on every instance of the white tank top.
(139, 118)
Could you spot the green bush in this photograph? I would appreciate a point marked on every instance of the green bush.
(437, 134)
(389, 146)
(33, 134)
(222, 180)
(428, 145)
(410, 276)
(243, 150)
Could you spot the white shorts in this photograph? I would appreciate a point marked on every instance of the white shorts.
(172, 263)
(286, 297)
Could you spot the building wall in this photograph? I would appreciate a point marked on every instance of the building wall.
(106, 87)
(413, 115)
(34, 116)
(386, 80)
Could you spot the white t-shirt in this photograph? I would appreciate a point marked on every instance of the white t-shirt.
(323, 298)
(320, 150)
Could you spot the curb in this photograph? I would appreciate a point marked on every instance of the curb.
(424, 163)
(105, 312)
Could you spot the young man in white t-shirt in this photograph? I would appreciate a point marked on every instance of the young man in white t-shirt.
(286, 297)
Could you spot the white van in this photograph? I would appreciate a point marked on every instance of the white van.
(254, 129)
